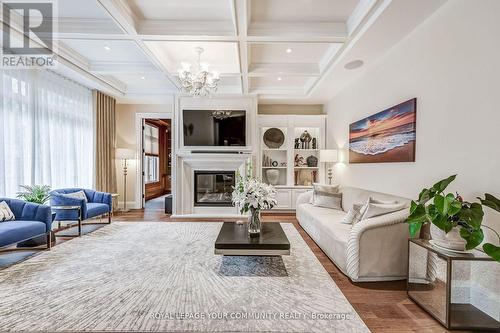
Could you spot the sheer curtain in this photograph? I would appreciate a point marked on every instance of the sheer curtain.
(46, 131)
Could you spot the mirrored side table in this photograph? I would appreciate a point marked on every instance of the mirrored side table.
(460, 290)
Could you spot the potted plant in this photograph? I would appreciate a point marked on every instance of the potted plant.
(252, 195)
(38, 194)
(459, 221)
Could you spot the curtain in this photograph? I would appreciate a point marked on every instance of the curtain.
(46, 131)
(105, 113)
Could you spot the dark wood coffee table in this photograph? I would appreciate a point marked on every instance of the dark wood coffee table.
(233, 240)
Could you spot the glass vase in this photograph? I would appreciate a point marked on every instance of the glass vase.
(254, 223)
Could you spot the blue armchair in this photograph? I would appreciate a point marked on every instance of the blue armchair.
(32, 220)
(98, 204)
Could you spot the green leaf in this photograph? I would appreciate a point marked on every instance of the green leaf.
(491, 201)
(418, 213)
(441, 185)
(492, 250)
(414, 228)
(455, 206)
(473, 237)
(424, 196)
(472, 216)
(441, 204)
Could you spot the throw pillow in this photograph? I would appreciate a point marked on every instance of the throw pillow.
(354, 214)
(327, 196)
(376, 201)
(373, 209)
(6, 213)
(78, 195)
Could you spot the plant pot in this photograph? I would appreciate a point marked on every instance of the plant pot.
(273, 176)
(450, 240)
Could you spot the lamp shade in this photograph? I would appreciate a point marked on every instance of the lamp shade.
(124, 154)
(328, 155)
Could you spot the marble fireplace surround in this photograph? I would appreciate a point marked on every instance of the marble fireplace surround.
(187, 164)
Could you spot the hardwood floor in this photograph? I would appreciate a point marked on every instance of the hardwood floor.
(383, 306)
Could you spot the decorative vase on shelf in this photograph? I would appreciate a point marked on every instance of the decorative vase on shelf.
(254, 223)
(273, 176)
(312, 161)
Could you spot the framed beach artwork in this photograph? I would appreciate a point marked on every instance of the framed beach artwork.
(387, 136)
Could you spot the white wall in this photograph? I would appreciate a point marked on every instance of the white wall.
(451, 63)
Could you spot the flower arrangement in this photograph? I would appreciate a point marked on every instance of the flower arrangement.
(250, 194)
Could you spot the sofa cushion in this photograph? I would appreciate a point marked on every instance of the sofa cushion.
(78, 195)
(327, 196)
(354, 214)
(12, 232)
(325, 228)
(5, 213)
(96, 209)
(373, 209)
(353, 195)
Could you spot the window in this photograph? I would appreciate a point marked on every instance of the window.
(46, 131)
(151, 154)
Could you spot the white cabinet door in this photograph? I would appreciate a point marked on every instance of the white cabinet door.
(295, 195)
(284, 198)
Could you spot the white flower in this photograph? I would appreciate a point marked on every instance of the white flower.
(252, 193)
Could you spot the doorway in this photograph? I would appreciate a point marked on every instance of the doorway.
(156, 162)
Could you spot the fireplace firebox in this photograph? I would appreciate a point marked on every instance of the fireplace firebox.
(213, 188)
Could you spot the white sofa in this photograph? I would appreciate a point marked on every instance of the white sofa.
(374, 249)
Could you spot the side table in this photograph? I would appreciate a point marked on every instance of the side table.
(69, 208)
(457, 289)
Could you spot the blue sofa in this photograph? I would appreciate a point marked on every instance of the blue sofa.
(98, 204)
(32, 220)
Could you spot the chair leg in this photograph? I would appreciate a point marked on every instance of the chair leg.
(79, 227)
(109, 218)
(49, 240)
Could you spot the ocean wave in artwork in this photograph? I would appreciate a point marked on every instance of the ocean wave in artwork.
(382, 144)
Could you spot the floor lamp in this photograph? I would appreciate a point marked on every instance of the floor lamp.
(124, 154)
(329, 156)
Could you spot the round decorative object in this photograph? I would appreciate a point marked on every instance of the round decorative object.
(305, 137)
(275, 163)
(273, 176)
(274, 138)
(312, 161)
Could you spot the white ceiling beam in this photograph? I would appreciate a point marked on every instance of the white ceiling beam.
(128, 21)
(87, 26)
(298, 29)
(290, 69)
(359, 13)
(107, 67)
(242, 19)
(122, 15)
(186, 28)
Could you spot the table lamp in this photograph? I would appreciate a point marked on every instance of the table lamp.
(329, 156)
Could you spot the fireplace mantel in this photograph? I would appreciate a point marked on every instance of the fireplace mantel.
(187, 163)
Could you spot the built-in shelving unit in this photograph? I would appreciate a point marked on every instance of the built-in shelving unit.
(290, 169)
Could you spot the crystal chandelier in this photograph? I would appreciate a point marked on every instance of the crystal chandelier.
(221, 114)
(200, 82)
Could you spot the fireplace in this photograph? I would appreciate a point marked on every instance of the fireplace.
(213, 188)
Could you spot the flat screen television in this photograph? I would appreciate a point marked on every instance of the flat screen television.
(214, 128)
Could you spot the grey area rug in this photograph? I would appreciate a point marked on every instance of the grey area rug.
(164, 277)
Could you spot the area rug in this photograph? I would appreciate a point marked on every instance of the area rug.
(164, 277)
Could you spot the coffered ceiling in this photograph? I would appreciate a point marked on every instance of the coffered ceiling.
(278, 49)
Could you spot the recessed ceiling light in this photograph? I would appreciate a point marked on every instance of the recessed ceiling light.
(354, 64)
(279, 78)
(288, 50)
(143, 78)
(107, 48)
